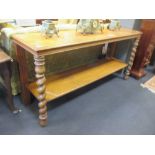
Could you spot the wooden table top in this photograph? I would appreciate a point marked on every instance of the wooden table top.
(4, 57)
(37, 44)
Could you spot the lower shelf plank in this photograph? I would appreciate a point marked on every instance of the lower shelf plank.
(63, 83)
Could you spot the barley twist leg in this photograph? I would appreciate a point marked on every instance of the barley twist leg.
(40, 70)
(131, 59)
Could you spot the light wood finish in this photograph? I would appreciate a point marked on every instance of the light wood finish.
(66, 82)
(37, 44)
(4, 57)
(40, 70)
(131, 59)
(63, 83)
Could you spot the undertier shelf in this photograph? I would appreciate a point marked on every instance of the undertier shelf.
(65, 82)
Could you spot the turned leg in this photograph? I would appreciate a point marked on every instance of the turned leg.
(131, 59)
(40, 70)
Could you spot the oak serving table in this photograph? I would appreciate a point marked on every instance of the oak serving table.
(68, 81)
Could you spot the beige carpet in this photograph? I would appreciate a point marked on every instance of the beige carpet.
(150, 84)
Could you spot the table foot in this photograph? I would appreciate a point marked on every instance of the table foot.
(16, 111)
(43, 122)
(126, 77)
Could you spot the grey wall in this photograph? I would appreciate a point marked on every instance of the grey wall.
(130, 23)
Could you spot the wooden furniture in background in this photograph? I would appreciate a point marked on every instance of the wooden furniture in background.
(5, 72)
(68, 81)
(145, 48)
